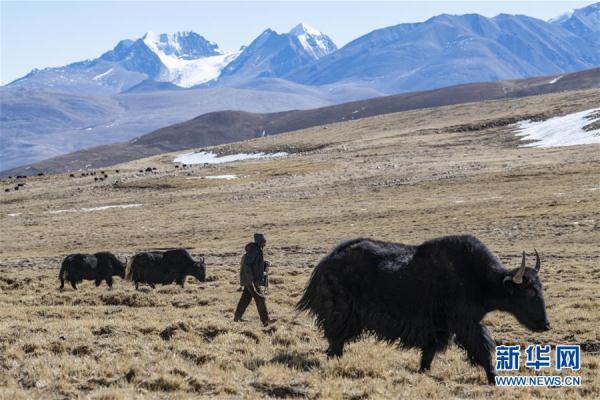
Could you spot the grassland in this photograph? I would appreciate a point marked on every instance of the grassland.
(404, 177)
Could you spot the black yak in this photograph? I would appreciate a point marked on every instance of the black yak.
(164, 268)
(96, 267)
(421, 295)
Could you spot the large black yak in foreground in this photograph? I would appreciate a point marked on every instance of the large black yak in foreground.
(96, 267)
(164, 267)
(421, 295)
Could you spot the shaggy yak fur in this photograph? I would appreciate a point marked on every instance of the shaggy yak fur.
(96, 267)
(164, 267)
(421, 295)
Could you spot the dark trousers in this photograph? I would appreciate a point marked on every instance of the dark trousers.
(249, 293)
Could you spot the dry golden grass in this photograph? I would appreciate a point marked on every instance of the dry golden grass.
(403, 177)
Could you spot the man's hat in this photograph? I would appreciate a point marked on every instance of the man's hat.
(259, 237)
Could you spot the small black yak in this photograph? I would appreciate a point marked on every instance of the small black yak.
(96, 267)
(164, 268)
(421, 295)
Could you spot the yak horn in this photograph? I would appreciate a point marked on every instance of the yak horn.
(518, 278)
(538, 262)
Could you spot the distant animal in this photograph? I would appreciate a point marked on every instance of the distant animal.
(149, 169)
(164, 267)
(96, 179)
(40, 174)
(421, 295)
(96, 267)
(16, 188)
(72, 175)
(117, 171)
(7, 190)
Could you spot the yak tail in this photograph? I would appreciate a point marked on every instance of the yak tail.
(62, 274)
(308, 301)
(129, 268)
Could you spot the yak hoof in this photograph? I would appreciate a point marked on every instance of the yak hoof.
(335, 351)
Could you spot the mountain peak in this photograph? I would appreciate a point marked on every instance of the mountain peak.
(187, 45)
(303, 28)
(315, 43)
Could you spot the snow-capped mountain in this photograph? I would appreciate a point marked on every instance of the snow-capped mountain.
(273, 55)
(185, 59)
(313, 41)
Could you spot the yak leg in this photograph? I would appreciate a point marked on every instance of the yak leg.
(476, 340)
(152, 285)
(74, 285)
(338, 331)
(62, 283)
(428, 352)
(109, 282)
(137, 286)
(427, 355)
(335, 349)
(98, 282)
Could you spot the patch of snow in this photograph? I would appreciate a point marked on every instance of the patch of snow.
(102, 208)
(212, 158)
(560, 131)
(14, 214)
(102, 75)
(553, 81)
(91, 209)
(226, 177)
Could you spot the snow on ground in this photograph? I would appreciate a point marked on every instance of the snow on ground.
(212, 158)
(553, 81)
(102, 75)
(226, 177)
(90, 209)
(560, 131)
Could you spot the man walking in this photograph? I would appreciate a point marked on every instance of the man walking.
(253, 270)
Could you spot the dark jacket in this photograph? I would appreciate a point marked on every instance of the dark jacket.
(252, 268)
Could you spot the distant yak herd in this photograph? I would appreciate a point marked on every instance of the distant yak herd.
(98, 176)
(421, 296)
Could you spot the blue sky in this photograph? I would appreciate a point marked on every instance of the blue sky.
(51, 33)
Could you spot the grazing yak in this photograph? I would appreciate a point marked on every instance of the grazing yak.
(164, 267)
(96, 267)
(421, 295)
